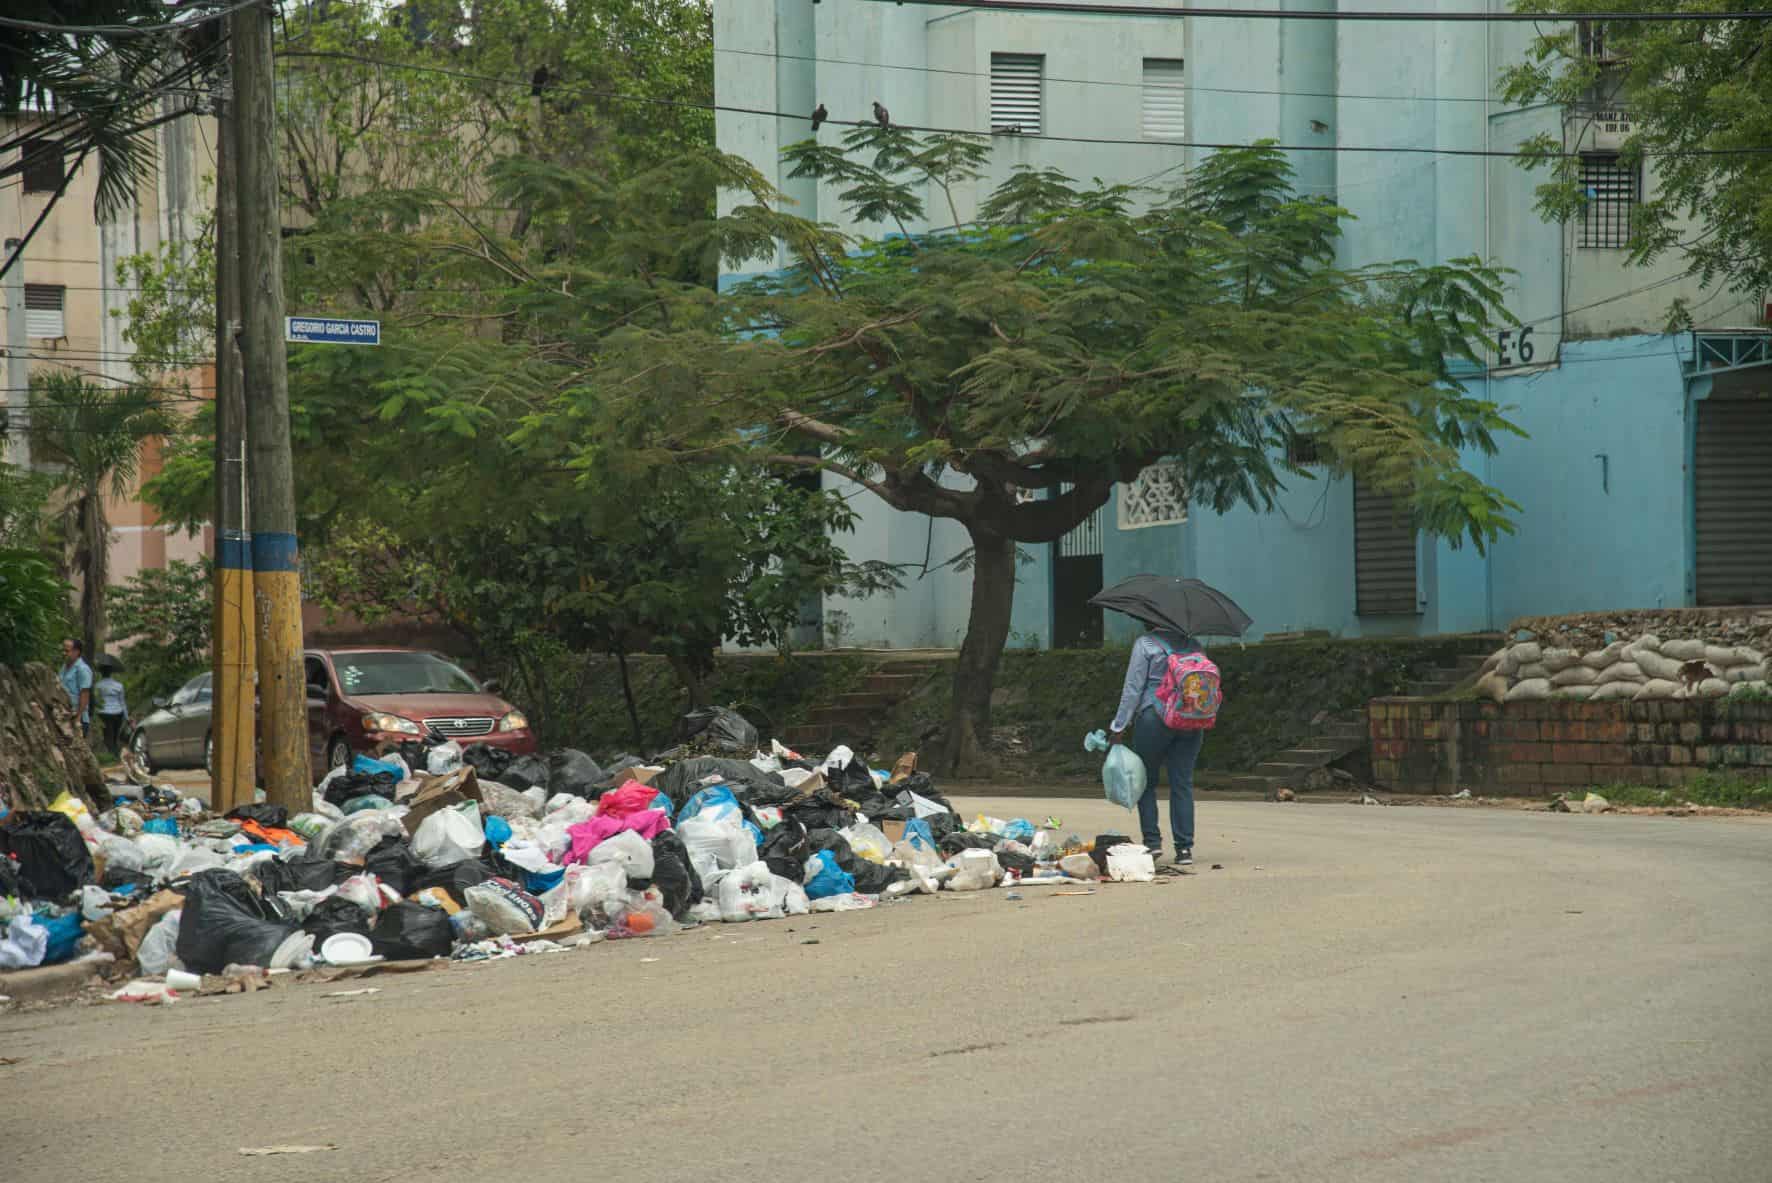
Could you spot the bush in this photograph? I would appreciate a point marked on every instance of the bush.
(161, 621)
(33, 607)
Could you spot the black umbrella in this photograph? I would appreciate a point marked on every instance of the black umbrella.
(107, 661)
(1186, 605)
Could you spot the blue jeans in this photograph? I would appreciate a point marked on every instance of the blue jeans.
(1175, 752)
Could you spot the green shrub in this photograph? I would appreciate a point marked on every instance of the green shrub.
(33, 607)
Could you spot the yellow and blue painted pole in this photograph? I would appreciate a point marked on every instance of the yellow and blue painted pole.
(282, 684)
(234, 723)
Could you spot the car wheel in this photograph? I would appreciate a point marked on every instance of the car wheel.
(209, 755)
(338, 753)
(139, 745)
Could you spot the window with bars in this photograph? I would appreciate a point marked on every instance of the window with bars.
(1164, 115)
(44, 316)
(1016, 80)
(1590, 36)
(1611, 186)
(43, 165)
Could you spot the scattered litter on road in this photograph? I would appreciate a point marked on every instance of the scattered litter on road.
(812, 941)
(261, 1151)
(1370, 800)
(1594, 803)
(1218, 866)
(1462, 795)
(367, 990)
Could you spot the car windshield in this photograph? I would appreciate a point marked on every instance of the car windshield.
(401, 673)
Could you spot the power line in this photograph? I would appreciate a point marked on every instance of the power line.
(10, 22)
(1042, 137)
(1297, 94)
(1072, 8)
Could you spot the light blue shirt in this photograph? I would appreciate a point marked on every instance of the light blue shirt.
(75, 677)
(109, 693)
(1144, 673)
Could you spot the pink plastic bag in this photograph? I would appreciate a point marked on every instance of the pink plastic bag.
(632, 797)
(587, 836)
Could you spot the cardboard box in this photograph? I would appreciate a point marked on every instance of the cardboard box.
(893, 828)
(636, 772)
(440, 792)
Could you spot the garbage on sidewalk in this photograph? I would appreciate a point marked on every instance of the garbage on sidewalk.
(422, 854)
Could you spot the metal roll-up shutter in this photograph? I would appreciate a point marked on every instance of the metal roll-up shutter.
(1384, 555)
(1732, 489)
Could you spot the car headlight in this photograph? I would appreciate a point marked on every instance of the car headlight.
(513, 722)
(390, 723)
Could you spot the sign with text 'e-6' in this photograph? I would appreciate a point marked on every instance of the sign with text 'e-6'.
(321, 330)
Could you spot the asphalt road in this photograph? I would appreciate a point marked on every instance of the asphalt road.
(1359, 994)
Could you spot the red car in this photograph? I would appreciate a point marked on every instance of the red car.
(359, 698)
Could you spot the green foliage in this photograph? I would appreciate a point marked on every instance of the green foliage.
(1717, 789)
(32, 602)
(162, 620)
(24, 499)
(169, 320)
(1698, 97)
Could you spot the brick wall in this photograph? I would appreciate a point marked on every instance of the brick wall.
(1534, 748)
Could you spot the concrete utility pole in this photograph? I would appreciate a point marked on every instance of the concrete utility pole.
(18, 365)
(234, 661)
(276, 557)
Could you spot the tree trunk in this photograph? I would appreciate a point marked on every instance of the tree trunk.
(975, 674)
(627, 692)
(689, 673)
(92, 557)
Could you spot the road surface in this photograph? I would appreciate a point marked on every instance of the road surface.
(1359, 994)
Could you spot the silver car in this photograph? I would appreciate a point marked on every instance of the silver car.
(177, 734)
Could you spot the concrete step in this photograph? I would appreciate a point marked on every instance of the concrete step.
(865, 700)
(1431, 689)
(1285, 770)
(894, 684)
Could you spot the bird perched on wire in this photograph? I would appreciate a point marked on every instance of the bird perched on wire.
(882, 116)
(819, 115)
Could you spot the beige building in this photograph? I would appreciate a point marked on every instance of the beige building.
(75, 305)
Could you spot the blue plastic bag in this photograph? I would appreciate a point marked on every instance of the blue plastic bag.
(161, 825)
(829, 879)
(918, 833)
(1019, 830)
(719, 801)
(1122, 773)
(64, 935)
(536, 882)
(498, 831)
(363, 764)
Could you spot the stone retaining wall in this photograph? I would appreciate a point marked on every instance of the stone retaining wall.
(1537, 748)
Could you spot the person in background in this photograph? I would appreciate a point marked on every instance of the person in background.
(76, 679)
(1160, 748)
(113, 708)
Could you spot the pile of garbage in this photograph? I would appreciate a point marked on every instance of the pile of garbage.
(445, 851)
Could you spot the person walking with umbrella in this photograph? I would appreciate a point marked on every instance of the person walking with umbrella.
(1171, 695)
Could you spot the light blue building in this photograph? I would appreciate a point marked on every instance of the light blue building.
(1647, 477)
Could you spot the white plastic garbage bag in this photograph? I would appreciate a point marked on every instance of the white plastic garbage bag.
(974, 870)
(592, 887)
(122, 854)
(443, 759)
(628, 849)
(24, 944)
(839, 757)
(192, 859)
(922, 805)
(790, 897)
(1130, 863)
(727, 842)
(449, 836)
(868, 841)
(159, 948)
(749, 894)
(506, 802)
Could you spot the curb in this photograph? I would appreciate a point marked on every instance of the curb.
(49, 981)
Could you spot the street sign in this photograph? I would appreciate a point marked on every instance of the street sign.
(319, 330)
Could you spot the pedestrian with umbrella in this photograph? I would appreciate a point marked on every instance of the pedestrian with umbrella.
(1171, 695)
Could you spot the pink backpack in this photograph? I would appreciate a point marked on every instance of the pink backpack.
(1189, 695)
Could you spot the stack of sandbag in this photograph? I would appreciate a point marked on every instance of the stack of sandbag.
(1647, 668)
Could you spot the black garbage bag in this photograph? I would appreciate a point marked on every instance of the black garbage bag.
(227, 923)
(942, 824)
(953, 843)
(417, 752)
(1103, 844)
(114, 879)
(412, 932)
(302, 874)
(9, 877)
(1014, 860)
(682, 781)
(274, 817)
(525, 772)
(52, 857)
(818, 815)
(892, 813)
(817, 840)
(674, 875)
(455, 879)
(923, 786)
(852, 780)
(620, 761)
(333, 916)
(352, 785)
(571, 771)
(786, 850)
(873, 878)
(719, 727)
(487, 761)
(393, 862)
